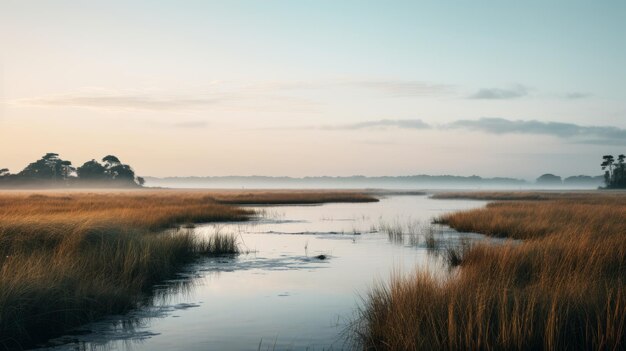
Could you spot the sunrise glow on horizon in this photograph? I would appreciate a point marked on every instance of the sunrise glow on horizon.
(310, 88)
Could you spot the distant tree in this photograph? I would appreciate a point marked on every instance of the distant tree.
(620, 171)
(607, 166)
(614, 171)
(42, 169)
(141, 181)
(36, 170)
(92, 170)
(52, 160)
(111, 161)
(584, 180)
(66, 169)
(549, 179)
(51, 168)
(117, 170)
(122, 172)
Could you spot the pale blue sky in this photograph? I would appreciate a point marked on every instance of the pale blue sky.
(495, 88)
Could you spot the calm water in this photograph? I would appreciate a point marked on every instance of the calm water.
(279, 296)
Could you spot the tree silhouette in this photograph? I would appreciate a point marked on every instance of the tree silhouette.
(122, 172)
(614, 172)
(549, 179)
(141, 181)
(110, 161)
(92, 170)
(53, 161)
(607, 166)
(118, 171)
(619, 172)
(50, 168)
(67, 169)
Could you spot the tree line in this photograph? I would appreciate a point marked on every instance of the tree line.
(614, 171)
(52, 170)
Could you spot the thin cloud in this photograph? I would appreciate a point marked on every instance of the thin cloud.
(578, 133)
(389, 87)
(231, 95)
(597, 135)
(514, 92)
(231, 99)
(128, 101)
(381, 124)
(401, 88)
(577, 95)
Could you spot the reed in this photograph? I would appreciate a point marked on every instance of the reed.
(562, 287)
(394, 231)
(429, 236)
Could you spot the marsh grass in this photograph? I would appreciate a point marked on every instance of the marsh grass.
(69, 258)
(88, 274)
(431, 231)
(218, 244)
(291, 197)
(411, 232)
(562, 287)
(394, 231)
(499, 196)
(454, 253)
(583, 195)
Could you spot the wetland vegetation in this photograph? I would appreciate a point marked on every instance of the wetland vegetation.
(69, 258)
(562, 287)
(555, 281)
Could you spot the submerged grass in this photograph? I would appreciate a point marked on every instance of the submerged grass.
(69, 258)
(562, 287)
(394, 231)
(411, 232)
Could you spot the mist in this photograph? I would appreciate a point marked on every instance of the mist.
(421, 182)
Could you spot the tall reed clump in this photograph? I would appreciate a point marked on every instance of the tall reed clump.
(562, 287)
(66, 260)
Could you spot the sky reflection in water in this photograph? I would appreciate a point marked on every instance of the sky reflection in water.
(279, 295)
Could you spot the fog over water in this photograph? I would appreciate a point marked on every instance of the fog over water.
(418, 182)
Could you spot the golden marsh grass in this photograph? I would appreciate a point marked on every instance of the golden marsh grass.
(562, 287)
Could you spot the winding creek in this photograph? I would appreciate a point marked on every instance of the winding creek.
(281, 294)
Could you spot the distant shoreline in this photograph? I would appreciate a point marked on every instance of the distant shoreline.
(364, 182)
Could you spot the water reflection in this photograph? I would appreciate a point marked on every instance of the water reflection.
(297, 286)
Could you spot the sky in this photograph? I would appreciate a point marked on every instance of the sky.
(315, 87)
